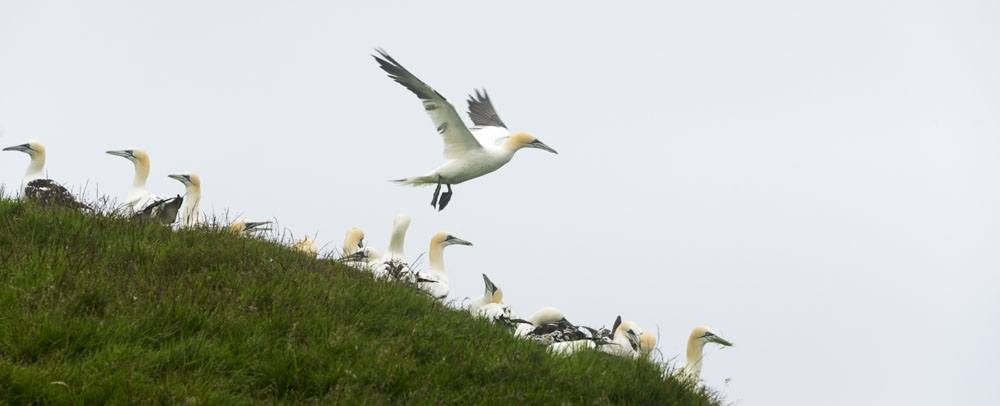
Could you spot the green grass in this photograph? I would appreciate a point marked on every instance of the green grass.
(96, 309)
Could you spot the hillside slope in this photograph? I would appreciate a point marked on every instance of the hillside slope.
(95, 309)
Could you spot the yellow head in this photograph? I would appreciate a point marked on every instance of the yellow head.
(32, 148)
(647, 342)
(443, 239)
(188, 179)
(353, 240)
(704, 334)
(525, 140)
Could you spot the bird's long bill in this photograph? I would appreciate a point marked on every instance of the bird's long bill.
(490, 287)
(123, 154)
(20, 148)
(459, 241)
(719, 340)
(258, 226)
(180, 178)
(541, 145)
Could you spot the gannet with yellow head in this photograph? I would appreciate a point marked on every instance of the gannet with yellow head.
(647, 343)
(306, 246)
(625, 339)
(192, 197)
(138, 198)
(354, 240)
(392, 264)
(242, 227)
(699, 336)
(35, 186)
(471, 152)
(490, 306)
(434, 281)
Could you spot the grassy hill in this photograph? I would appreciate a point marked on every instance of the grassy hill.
(96, 309)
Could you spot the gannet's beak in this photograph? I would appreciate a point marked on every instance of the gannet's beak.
(541, 145)
(124, 154)
(718, 340)
(185, 179)
(257, 226)
(452, 240)
(361, 243)
(633, 339)
(490, 287)
(19, 148)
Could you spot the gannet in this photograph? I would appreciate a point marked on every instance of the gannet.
(354, 241)
(470, 152)
(625, 340)
(647, 343)
(392, 264)
(354, 252)
(138, 198)
(249, 227)
(35, 186)
(306, 246)
(549, 326)
(192, 197)
(490, 306)
(700, 336)
(434, 281)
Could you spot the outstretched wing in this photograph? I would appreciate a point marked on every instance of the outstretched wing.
(457, 137)
(481, 110)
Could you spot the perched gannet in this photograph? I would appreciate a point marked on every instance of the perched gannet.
(354, 241)
(647, 343)
(700, 336)
(392, 264)
(471, 152)
(192, 197)
(249, 227)
(625, 340)
(549, 326)
(35, 186)
(307, 246)
(435, 281)
(491, 305)
(138, 198)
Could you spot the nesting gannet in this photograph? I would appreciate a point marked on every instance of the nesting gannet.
(700, 336)
(192, 197)
(306, 246)
(392, 264)
(354, 241)
(249, 227)
(647, 343)
(490, 306)
(354, 252)
(434, 281)
(138, 198)
(549, 326)
(35, 186)
(625, 340)
(471, 152)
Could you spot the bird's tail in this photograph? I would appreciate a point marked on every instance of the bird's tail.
(415, 181)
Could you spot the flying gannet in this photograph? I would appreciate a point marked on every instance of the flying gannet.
(470, 152)
(700, 336)
(490, 306)
(435, 281)
(192, 197)
(35, 186)
(138, 198)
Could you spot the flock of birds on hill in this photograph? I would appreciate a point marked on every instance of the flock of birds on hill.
(471, 152)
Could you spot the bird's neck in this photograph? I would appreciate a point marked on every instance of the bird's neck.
(396, 242)
(36, 169)
(141, 174)
(510, 146)
(436, 258)
(692, 364)
(497, 296)
(191, 199)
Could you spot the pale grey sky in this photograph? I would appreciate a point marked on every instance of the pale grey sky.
(818, 181)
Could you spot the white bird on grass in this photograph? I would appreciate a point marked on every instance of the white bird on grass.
(35, 186)
(471, 152)
(243, 227)
(138, 198)
(490, 306)
(700, 336)
(306, 246)
(434, 281)
(189, 215)
(625, 339)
